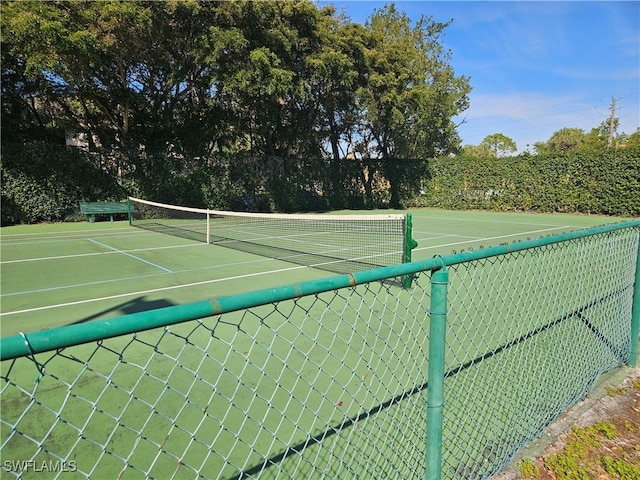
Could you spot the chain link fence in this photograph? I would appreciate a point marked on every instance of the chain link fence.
(329, 379)
(528, 334)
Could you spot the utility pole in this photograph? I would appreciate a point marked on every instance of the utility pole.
(612, 122)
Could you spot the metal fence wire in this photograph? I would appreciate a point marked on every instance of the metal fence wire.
(330, 379)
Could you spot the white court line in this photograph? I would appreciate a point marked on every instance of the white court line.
(188, 270)
(484, 239)
(71, 232)
(62, 257)
(438, 235)
(506, 222)
(144, 292)
(129, 255)
(47, 236)
(133, 277)
(173, 287)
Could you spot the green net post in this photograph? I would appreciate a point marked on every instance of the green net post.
(409, 244)
(635, 316)
(435, 391)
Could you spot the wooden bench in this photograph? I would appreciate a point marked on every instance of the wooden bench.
(91, 209)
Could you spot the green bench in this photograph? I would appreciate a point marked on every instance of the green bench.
(91, 209)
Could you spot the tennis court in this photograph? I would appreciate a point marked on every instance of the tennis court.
(61, 274)
(332, 382)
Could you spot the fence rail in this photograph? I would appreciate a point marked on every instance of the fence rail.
(350, 376)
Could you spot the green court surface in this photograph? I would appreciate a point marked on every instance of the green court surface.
(333, 382)
(59, 274)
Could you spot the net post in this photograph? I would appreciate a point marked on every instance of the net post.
(409, 244)
(435, 388)
(208, 227)
(635, 314)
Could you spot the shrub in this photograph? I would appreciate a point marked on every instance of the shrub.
(41, 182)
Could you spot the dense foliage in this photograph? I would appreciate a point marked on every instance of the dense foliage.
(272, 78)
(44, 184)
(604, 182)
(41, 182)
(157, 89)
(272, 106)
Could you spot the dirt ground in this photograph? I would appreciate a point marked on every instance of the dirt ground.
(570, 450)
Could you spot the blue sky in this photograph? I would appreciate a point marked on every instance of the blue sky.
(535, 66)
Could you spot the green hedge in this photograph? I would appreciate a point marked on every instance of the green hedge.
(604, 183)
(42, 182)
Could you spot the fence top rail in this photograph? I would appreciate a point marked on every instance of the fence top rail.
(56, 338)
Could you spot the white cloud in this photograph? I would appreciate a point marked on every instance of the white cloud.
(524, 105)
(529, 117)
(629, 45)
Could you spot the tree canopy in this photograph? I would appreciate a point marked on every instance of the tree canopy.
(198, 77)
(494, 145)
(499, 144)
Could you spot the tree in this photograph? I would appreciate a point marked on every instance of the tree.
(633, 140)
(157, 87)
(262, 74)
(476, 151)
(124, 73)
(337, 71)
(25, 117)
(499, 144)
(412, 93)
(565, 139)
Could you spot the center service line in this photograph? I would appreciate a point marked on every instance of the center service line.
(129, 255)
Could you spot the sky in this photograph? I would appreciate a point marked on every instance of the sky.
(535, 66)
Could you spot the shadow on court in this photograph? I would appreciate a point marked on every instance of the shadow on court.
(140, 304)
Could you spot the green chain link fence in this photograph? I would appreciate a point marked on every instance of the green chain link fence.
(347, 377)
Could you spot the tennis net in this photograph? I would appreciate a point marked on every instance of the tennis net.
(336, 243)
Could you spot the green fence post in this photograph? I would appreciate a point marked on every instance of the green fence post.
(635, 315)
(130, 212)
(435, 389)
